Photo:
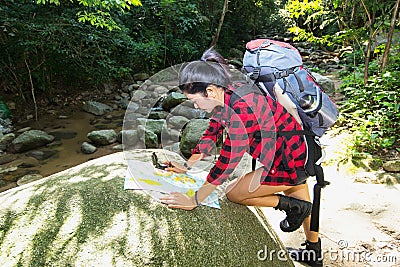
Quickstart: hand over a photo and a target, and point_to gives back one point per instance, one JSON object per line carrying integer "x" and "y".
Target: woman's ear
{"x": 211, "y": 91}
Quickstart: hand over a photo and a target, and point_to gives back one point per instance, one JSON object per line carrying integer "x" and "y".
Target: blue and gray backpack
{"x": 277, "y": 69}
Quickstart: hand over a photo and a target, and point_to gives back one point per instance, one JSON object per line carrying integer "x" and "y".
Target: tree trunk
{"x": 221, "y": 22}
{"x": 390, "y": 34}
{"x": 366, "y": 61}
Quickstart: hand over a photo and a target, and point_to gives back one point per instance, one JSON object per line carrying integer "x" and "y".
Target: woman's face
{"x": 202, "y": 102}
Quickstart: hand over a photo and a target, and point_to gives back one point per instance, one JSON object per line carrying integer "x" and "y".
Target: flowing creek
{"x": 70, "y": 131}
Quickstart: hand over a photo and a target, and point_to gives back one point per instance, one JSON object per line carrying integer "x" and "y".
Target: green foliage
{"x": 373, "y": 110}
{"x": 48, "y": 44}
{"x": 312, "y": 21}
{"x": 99, "y": 16}
{"x": 52, "y": 46}
{"x": 248, "y": 20}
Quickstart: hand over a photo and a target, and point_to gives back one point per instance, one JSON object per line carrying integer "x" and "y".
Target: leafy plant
{"x": 373, "y": 111}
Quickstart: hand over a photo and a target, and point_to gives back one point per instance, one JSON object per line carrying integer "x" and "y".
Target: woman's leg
{"x": 302, "y": 192}
{"x": 238, "y": 191}
{"x": 296, "y": 208}
{"x": 312, "y": 254}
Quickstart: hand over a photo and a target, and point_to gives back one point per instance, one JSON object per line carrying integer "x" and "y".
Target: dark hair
{"x": 196, "y": 76}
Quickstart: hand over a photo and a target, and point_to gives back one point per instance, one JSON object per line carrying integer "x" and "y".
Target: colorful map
{"x": 156, "y": 182}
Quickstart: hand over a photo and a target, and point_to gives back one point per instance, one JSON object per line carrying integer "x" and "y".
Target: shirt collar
{"x": 221, "y": 113}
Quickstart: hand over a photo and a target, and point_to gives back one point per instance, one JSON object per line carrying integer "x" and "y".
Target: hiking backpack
{"x": 277, "y": 70}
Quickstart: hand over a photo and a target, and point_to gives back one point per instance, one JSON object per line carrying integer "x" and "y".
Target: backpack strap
{"x": 314, "y": 168}
{"x": 272, "y": 77}
{"x": 315, "y": 150}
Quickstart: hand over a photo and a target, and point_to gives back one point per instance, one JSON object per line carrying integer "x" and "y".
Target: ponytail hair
{"x": 212, "y": 68}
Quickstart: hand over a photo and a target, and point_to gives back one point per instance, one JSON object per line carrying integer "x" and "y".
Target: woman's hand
{"x": 173, "y": 167}
{"x": 177, "y": 200}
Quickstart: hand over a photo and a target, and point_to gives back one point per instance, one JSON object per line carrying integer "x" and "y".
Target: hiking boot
{"x": 311, "y": 255}
{"x": 296, "y": 211}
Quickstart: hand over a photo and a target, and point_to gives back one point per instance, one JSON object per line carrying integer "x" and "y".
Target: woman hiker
{"x": 251, "y": 121}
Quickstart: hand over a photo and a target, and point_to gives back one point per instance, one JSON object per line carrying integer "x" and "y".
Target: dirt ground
{"x": 359, "y": 222}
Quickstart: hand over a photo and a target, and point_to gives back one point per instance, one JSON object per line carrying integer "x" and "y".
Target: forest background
{"x": 59, "y": 47}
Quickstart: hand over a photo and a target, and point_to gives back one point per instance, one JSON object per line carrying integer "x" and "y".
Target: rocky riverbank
{"x": 147, "y": 112}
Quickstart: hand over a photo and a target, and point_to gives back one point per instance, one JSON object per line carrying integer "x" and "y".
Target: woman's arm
{"x": 182, "y": 169}
{"x": 177, "y": 200}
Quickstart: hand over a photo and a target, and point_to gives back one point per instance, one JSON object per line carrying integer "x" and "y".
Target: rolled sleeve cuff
{"x": 215, "y": 181}
{"x": 204, "y": 147}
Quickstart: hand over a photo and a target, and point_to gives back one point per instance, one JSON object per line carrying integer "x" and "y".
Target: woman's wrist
{"x": 196, "y": 200}
{"x": 187, "y": 166}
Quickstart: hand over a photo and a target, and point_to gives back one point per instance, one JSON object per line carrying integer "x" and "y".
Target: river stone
{"x": 87, "y": 148}
{"x": 7, "y": 158}
{"x": 83, "y": 217}
{"x": 172, "y": 100}
{"x": 6, "y": 140}
{"x": 102, "y": 137}
{"x": 159, "y": 114}
{"x": 327, "y": 84}
{"x": 29, "y": 178}
{"x": 128, "y": 137}
{"x": 191, "y": 135}
{"x": 31, "y": 139}
{"x": 147, "y": 138}
{"x": 28, "y": 162}
{"x": 5, "y": 126}
{"x": 123, "y": 103}
{"x": 138, "y": 95}
{"x": 171, "y": 136}
{"x": 96, "y": 108}
{"x": 142, "y": 76}
{"x": 188, "y": 112}
{"x": 392, "y": 166}
{"x": 177, "y": 122}
{"x": 160, "y": 90}
{"x": 155, "y": 126}
{"x": 41, "y": 154}
{"x": 63, "y": 134}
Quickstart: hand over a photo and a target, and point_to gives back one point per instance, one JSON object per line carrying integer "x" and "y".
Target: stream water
{"x": 70, "y": 131}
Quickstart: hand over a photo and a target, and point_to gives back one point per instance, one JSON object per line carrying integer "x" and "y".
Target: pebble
{"x": 24, "y": 129}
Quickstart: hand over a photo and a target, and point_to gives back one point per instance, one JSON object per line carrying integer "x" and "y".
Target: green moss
{"x": 5, "y": 224}
{"x": 231, "y": 236}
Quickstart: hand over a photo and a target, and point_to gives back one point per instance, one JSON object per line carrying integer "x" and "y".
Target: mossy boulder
{"x": 84, "y": 217}
{"x": 191, "y": 135}
{"x": 31, "y": 139}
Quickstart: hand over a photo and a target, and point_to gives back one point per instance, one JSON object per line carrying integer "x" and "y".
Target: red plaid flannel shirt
{"x": 249, "y": 116}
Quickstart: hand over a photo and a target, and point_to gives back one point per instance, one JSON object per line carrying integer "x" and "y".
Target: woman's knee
{"x": 233, "y": 196}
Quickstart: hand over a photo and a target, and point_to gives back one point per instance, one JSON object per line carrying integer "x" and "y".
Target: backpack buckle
{"x": 255, "y": 74}
{"x": 283, "y": 73}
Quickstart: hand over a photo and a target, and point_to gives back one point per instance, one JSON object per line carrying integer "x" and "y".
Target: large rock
{"x": 84, "y": 217}
{"x": 102, "y": 137}
{"x": 138, "y": 95}
{"x": 173, "y": 99}
{"x": 392, "y": 166}
{"x": 147, "y": 138}
{"x": 31, "y": 139}
{"x": 96, "y": 108}
{"x": 188, "y": 112}
{"x": 155, "y": 126}
{"x": 128, "y": 137}
{"x": 177, "y": 122}
{"x": 191, "y": 135}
